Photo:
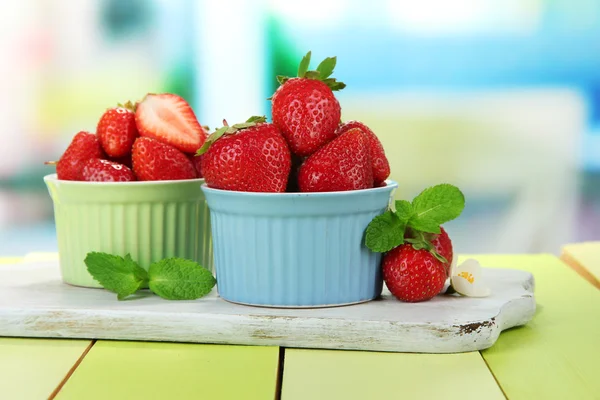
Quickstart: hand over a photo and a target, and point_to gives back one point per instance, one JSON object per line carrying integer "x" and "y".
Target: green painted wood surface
{"x": 138, "y": 370}
{"x": 556, "y": 355}
{"x": 329, "y": 374}
{"x": 33, "y": 368}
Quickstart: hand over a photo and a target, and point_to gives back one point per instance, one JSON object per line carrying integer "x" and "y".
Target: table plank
{"x": 585, "y": 259}
{"x": 556, "y": 355}
{"x": 332, "y": 374}
{"x": 138, "y": 370}
{"x": 33, "y": 368}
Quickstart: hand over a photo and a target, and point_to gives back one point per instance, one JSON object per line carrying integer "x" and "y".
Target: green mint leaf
{"x": 435, "y": 206}
{"x": 211, "y": 139}
{"x": 425, "y": 225}
{"x": 404, "y": 210}
{"x": 304, "y": 65}
{"x": 385, "y": 232}
{"x": 179, "y": 279}
{"x": 120, "y": 275}
{"x": 326, "y": 67}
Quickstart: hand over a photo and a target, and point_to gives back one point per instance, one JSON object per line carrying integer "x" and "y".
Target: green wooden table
{"x": 553, "y": 357}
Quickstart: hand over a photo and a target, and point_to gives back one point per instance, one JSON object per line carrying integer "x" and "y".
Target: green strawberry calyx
{"x": 322, "y": 73}
{"x": 230, "y": 130}
{"x": 128, "y": 106}
{"x": 417, "y": 222}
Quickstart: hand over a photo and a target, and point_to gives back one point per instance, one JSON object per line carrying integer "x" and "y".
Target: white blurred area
{"x": 515, "y": 150}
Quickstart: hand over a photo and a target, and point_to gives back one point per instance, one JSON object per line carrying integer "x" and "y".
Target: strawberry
{"x": 305, "y": 109}
{"x": 170, "y": 119}
{"x": 443, "y": 246}
{"x": 439, "y": 244}
{"x": 381, "y": 167}
{"x": 248, "y": 157}
{"x": 342, "y": 164}
{"x": 197, "y": 161}
{"x": 83, "y": 147}
{"x": 98, "y": 170}
{"x": 117, "y": 130}
{"x": 157, "y": 161}
{"x": 125, "y": 160}
{"x": 413, "y": 275}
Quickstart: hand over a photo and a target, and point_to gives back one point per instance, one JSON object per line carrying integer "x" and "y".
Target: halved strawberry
{"x": 170, "y": 119}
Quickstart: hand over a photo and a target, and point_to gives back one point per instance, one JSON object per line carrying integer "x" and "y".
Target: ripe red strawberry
{"x": 125, "y": 160}
{"x": 98, "y": 170}
{"x": 440, "y": 243}
{"x": 249, "y": 157}
{"x": 305, "y": 109}
{"x": 197, "y": 162}
{"x": 443, "y": 246}
{"x": 342, "y": 164}
{"x": 156, "y": 161}
{"x": 381, "y": 166}
{"x": 170, "y": 119}
{"x": 413, "y": 275}
{"x": 117, "y": 130}
{"x": 83, "y": 147}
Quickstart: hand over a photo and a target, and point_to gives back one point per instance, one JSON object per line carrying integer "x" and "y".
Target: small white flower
{"x": 466, "y": 278}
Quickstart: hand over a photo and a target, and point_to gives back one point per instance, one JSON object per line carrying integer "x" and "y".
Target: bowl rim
{"x": 54, "y": 178}
{"x": 390, "y": 184}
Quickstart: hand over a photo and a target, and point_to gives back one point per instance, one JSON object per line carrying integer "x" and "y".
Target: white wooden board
{"x": 35, "y": 303}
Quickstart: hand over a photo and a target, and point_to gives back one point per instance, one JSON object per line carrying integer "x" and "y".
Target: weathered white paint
{"x": 35, "y": 303}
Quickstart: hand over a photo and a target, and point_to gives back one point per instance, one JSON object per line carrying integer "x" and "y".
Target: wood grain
{"x": 35, "y": 303}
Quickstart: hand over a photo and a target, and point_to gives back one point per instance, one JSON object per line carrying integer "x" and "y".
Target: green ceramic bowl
{"x": 149, "y": 220}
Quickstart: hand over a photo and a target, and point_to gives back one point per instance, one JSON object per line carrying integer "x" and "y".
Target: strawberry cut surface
{"x": 170, "y": 119}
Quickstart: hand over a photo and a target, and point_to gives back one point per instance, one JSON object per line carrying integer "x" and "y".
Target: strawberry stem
{"x": 322, "y": 73}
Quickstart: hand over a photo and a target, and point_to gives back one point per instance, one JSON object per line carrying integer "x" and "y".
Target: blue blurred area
{"x": 418, "y": 71}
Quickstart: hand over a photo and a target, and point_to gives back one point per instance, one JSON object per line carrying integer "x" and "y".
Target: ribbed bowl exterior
{"x": 149, "y": 220}
{"x": 296, "y": 249}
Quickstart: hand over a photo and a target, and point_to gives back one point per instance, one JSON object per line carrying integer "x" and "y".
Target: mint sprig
{"x": 171, "y": 278}
{"x": 423, "y": 216}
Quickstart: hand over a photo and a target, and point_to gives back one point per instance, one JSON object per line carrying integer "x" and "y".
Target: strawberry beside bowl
{"x": 150, "y": 220}
{"x": 296, "y": 249}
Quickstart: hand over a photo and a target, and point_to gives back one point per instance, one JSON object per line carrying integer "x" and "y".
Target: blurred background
{"x": 500, "y": 97}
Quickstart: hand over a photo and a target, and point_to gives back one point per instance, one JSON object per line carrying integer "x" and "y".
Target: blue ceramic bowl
{"x": 296, "y": 249}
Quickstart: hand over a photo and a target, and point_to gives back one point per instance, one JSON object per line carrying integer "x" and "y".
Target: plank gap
{"x": 580, "y": 269}
{"x": 494, "y": 376}
{"x": 280, "y": 366}
{"x": 72, "y": 370}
